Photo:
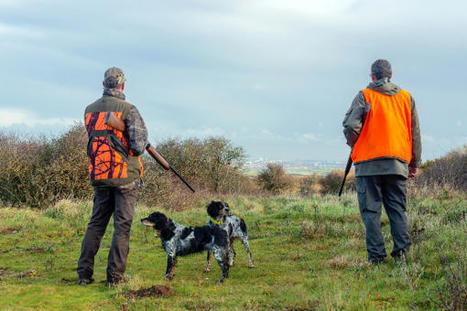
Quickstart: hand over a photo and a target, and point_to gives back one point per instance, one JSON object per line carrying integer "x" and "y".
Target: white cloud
{"x": 205, "y": 132}
{"x": 15, "y": 32}
{"x": 306, "y": 7}
{"x": 309, "y": 137}
{"x": 12, "y": 116}
{"x": 9, "y": 117}
{"x": 9, "y": 3}
{"x": 25, "y": 3}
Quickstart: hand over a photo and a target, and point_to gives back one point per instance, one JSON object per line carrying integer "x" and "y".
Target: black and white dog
{"x": 234, "y": 226}
{"x": 179, "y": 240}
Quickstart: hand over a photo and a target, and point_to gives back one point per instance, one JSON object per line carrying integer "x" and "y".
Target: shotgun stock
{"x": 347, "y": 170}
{"x": 112, "y": 121}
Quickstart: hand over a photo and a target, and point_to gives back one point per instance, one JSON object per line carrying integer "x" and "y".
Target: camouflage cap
{"x": 113, "y": 77}
{"x": 381, "y": 68}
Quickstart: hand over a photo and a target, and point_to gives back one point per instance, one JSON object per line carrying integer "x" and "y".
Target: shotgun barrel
{"x": 347, "y": 170}
{"x": 114, "y": 122}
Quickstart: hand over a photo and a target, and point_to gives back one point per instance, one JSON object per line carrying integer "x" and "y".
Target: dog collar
{"x": 217, "y": 222}
{"x": 166, "y": 224}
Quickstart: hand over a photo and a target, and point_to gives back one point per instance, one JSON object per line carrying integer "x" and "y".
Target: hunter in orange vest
{"x": 383, "y": 130}
{"x": 386, "y": 130}
{"x": 115, "y": 171}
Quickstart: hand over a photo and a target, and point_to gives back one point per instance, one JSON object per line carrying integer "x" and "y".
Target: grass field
{"x": 309, "y": 254}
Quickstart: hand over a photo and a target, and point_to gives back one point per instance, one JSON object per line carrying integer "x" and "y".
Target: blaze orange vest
{"x": 111, "y": 161}
{"x": 387, "y": 128}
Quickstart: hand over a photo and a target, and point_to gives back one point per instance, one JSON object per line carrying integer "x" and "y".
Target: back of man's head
{"x": 114, "y": 78}
{"x": 381, "y": 68}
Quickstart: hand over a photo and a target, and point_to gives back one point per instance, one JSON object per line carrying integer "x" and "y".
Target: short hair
{"x": 381, "y": 68}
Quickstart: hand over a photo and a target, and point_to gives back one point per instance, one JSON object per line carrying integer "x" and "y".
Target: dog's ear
{"x": 159, "y": 219}
{"x": 212, "y": 209}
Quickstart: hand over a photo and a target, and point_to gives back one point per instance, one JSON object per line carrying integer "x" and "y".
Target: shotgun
{"x": 112, "y": 121}
{"x": 347, "y": 170}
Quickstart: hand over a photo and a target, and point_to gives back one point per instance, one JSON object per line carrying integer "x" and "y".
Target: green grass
{"x": 309, "y": 254}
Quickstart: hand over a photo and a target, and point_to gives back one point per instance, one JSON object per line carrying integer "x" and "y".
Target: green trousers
{"x": 119, "y": 202}
{"x": 390, "y": 191}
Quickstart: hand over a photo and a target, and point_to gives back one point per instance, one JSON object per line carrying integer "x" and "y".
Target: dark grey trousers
{"x": 119, "y": 201}
{"x": 391, "y": 191}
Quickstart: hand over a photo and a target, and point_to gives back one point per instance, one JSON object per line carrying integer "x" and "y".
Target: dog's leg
{"x": 208, "y": 264}
{"x": 221, "y": 257}
{"x": 231, "y": 252}
{"x": 244, "y": 239}
{"x": 171, "y": 261}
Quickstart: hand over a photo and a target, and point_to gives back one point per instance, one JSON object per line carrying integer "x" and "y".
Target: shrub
{"x": 212, "y": 165}
{"x": 331, "y": 183}
{"x": 39, "y": 171}
{"x": 274, "y": 179}
{"x": 450, "y": 171}
{"x": 310, "y": 185}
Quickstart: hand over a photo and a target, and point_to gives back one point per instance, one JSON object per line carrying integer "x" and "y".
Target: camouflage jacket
{"x": 134, "y": 123}
{"x": 353, "y": 123}
{"x": 113, "y": 155}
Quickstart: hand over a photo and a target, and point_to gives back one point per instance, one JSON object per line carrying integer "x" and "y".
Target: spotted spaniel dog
{"x": 234, "y": 226}
{"x": 179, "y": 240}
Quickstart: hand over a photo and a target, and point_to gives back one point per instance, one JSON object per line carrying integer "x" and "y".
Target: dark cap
{"x": 381, "y": 69}
{"x": 114, "y": 77}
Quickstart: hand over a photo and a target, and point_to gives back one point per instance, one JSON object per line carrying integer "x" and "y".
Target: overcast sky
{"x": 274, "y": 76}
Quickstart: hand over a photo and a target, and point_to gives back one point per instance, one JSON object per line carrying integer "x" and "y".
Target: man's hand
{"x": 412, "y": 172}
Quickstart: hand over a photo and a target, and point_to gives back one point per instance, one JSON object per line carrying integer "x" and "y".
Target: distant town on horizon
{"x": 294, "y": 167}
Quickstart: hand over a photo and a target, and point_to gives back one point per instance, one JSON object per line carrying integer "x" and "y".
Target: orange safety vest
{"x": 386, "y": 131}
{"x": 108, "y": 151}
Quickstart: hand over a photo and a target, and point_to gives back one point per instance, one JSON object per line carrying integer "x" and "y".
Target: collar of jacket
{"x": 217, "y": 222}
{"x": 384, "y": 86}
{"x": 114, "y": 93}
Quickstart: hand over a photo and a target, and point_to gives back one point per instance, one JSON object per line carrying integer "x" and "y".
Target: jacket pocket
{"x": 363, "y": 202}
